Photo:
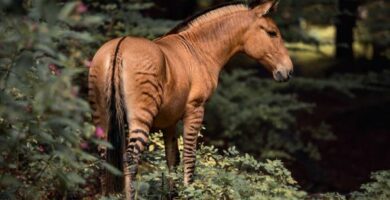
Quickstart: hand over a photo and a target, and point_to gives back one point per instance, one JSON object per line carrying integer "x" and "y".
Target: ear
{"x": 263, "y": 7}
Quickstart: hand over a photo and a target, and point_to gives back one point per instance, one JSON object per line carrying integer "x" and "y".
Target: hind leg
{"x": 142, "y": 93}
{"x": 171, "y": 147}
{"x": 99, "y": 118}
{"x": 137, "y": 142}
{"x": 172, "y": 155}
{"x": 140, "y": 120}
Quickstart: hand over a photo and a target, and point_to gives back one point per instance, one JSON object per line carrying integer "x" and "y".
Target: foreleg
{"x": 192, "y": 124}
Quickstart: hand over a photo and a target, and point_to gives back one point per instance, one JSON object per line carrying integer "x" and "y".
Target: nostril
{"x": 290, "y": 73}
{"x": 278, "y": 76}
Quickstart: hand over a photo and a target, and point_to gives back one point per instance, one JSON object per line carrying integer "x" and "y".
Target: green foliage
{"x": 47, "y": 143}
{"x": 128, "y": 20}
{"x": 293, "y": 15}
{"x": 229, "y": 175}
{"x": 378, "y": 189}
{"x": 233, "y": 175}
{"x": 44, "y": 134}
{"x": 327, "y": 196}
{"x": 373, "y": 28}
{"x": 259, "y": 116}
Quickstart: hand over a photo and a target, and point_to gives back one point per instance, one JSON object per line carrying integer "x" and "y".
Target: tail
{"x": 116, "y": 124}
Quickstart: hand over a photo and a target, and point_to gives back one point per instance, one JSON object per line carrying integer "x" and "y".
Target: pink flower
{"x": 84, "y": 145}
{"x": 41, "y": 149}
{"x": 81, "y": 8}
{"x": 87, "y": 63}
{"x": 54, "y": 69}
{"x": 99, "y": 133}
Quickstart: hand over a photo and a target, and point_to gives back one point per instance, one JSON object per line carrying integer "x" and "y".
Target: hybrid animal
{"x": 144, "y": 85}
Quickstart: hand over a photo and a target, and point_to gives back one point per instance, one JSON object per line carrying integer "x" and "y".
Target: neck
{"x": 214, "y": 43}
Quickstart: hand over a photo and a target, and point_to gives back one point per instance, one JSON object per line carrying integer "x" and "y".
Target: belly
{"x": 171, "y": 111}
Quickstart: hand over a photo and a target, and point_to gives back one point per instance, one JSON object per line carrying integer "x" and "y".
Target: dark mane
{"x": 254, "y": 3}
{"x": 187, "y": 21}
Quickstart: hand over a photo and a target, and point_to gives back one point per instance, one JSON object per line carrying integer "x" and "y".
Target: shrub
{"x": 47, "y": 141}
{"x": 259, "y": 116}
{"x": 229, "y": 175}
{"x": 233, "y": 175}
{"x": 43, "y": 121}
{"x": 379, "y": 188}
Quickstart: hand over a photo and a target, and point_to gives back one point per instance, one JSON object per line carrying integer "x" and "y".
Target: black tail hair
{"x": 116, "y": 129}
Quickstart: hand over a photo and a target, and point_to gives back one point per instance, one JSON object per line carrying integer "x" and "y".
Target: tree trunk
{"x": 346, "y": 21}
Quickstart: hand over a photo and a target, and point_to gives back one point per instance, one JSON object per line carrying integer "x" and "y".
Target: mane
{"x": 208, "y": 15}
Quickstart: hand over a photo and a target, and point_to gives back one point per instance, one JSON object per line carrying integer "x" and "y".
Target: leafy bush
{"x": 47, "y": 141}
{"x": 229, "y": 175}
{"x": 259, "y": 116}
{"x": 127, "y": 19}
{"x": 378, "y": 189}
{"x": 43, "y": 121}
{"x": 232, "y": 175}
{"x": 373, "y": 27}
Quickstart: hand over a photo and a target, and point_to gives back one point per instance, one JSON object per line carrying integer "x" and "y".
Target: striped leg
{"x": 141, "y": 120}
{"x": 136, "y": 144}
{"x": 99, "y": 113}
{"x": 172, "y": 155}
{"x": 143, "y": 97}
{"x": 192, "y": 125}
{"x": 171, "y": 147}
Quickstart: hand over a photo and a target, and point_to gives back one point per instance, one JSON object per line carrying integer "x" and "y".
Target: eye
{"x": 272, "y": 34}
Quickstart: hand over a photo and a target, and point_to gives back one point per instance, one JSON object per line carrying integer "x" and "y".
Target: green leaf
{"x": 75, "y": 178}
{"x": 112, "y": 169}
{"x": 66, "y": 11}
